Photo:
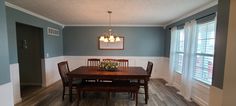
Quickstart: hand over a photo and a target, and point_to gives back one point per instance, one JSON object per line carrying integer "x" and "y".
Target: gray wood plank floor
{"x": 159, "y": 95}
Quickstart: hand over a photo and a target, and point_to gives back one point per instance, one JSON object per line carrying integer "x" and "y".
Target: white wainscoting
{"x": 159, "y": 69}
{"x": 51, "y": 73}
{"x": 6, "y": 95}
{"x": 200, "y": 91}
{"x": 15, "y": 79}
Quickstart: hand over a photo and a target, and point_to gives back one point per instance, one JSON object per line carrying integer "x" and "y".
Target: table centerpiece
{"x": 108, "y": 65}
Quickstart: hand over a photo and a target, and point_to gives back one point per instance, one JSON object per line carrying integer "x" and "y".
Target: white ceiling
{"x": 125, "y": 12}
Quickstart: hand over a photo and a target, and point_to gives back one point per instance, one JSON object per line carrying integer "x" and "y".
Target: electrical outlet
{"x": 47, "y": 54}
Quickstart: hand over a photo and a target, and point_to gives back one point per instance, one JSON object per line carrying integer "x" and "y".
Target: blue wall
{"x": 139, "y": 41}
{"x": 4, "y": 56}
{"x": 52, "y": 45}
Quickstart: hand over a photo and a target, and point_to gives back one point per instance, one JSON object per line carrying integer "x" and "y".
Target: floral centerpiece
{"x": 108, "y": 65}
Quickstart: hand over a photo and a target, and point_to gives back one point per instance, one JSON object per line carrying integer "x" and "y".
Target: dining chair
{"x": 149, "y": 72}
{"x": 93, "y": 62}
{"x": 123, "y": 62}
{"x": 63, "y": 69}
{"x": 149, "y": 69}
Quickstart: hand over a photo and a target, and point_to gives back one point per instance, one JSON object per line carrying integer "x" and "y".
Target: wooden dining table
{"x": 122, "y": 73}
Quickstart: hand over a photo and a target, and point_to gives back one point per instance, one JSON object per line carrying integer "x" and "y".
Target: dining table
{"x": 121, "y": 73}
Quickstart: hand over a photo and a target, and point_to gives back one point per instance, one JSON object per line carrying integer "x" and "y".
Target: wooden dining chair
{"x": 63, "y": 69}
{"x": 123, "y": 62}
{"x": 142, "y": 83}
{"x": 93, "y": 62}
{"x": 149, "y": 69}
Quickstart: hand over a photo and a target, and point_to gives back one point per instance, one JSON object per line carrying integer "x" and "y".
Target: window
{"x": 179, "y": 51}
{"x": 205, "y": 52}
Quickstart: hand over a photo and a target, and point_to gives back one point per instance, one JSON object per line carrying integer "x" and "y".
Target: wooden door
{"x": 30, "y": 53}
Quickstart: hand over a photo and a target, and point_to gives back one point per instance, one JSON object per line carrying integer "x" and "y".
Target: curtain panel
{"x": 190, "y": 40}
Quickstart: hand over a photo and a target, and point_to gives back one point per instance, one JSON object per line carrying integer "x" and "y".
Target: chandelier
{"x": 109, "y": 36}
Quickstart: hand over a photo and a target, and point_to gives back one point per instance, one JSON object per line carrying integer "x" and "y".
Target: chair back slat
{"x": 149, "y": 68}
{"x": 108, "y": 59}
{"x": 93, "y": 62}
{"x": 63, "y": 69}
{"x": 123, "y": 62}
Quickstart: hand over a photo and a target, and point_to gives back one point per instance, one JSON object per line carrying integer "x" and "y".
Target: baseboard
{"x": 199, "y": 101}
{"x": 176, "y": 85}
{"x": 17, "y": 100}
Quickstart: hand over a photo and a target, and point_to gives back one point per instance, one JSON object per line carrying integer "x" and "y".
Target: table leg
{"x": 146, "y": 91}
{"x": 136, "y": 97}
{"x": 70, "y": 89}
{"x": 108, "y": 98}
{"x": 78, "y": 97}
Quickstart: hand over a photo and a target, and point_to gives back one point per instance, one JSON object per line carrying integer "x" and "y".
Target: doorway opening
{"x": 30, "y": 54}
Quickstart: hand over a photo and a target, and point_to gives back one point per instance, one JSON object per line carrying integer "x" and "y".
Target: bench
{"x": 108, "y": 87}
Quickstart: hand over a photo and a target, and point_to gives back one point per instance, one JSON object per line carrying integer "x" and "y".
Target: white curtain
{"x": 189, "y": 57}
{"x": 172, "y": 55}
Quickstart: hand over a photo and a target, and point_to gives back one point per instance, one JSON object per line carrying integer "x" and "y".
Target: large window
{"x": 179, "y": 51}
{"x": 205, "y": 51}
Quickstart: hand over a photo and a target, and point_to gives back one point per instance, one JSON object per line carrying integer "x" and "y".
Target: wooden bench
{"x": 108, "y": 87}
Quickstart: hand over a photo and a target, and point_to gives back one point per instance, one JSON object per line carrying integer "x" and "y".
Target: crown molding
{"x": 32, "y": 13}
{"x": 193, "y": 12}
{"x": 118, "y": 25}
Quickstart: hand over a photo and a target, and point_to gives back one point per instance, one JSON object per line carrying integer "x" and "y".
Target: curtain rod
{"x": 205, "y": 16}
{"x": 198, "y": 18}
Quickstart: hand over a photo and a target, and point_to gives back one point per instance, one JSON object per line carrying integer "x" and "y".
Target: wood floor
{"x": 28, "y": 90}
{"x": 159, "y": 95}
